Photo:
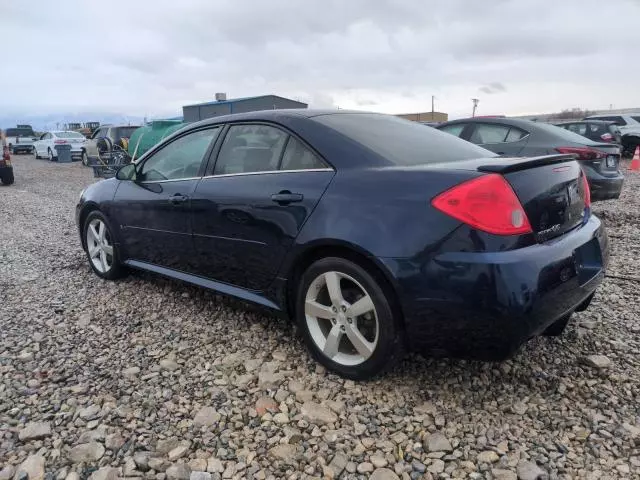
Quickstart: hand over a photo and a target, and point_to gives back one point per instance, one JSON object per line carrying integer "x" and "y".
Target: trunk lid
{"x": 550, "y": 188}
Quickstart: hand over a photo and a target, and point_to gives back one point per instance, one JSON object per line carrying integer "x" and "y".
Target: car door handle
{"x": 177, "y": 199}
{"x": 285, "y": 197}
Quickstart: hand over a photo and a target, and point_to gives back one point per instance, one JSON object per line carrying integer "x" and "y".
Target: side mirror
{"x": 127, "y": 172}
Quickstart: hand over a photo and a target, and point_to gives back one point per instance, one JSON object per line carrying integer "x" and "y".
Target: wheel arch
{"x": 87, "y": 208}
{"x": 304, "y": 258}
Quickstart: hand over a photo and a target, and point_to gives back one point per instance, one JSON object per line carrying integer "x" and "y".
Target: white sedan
{"x": 45, "y": 146}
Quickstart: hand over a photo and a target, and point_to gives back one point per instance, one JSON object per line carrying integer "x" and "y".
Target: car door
{"x": 39, "y": 145}
{"x": 152, "y": 212}
{"x": 499, "y": 138}
{"x": 250, "y": 207}
{"x": 91, "y": 146}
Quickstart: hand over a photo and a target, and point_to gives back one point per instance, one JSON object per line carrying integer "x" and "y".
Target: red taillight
{"x": 5, "y": 153}
{"x": 487, "y": 203}
{"x": 587, "y": 191}
{"x": 582, "y": 153}
{"x": 59, "y": 142}
{"x": 606, "y": 137}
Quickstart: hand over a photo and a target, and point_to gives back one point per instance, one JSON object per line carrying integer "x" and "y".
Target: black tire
{"x": 117, "y": 270}
{"x": 35, "y": 154}
{"x": 7, "y": 178}
{"x": 51, "y": 156}
{"x": 85, "y": 158}
{"x": 389, "y": 347}
{"x": 558, "y": 327}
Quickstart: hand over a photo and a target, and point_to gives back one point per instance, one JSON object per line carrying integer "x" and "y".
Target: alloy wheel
{"x": 99, "y": 245}
{"x": 341, "y": 318}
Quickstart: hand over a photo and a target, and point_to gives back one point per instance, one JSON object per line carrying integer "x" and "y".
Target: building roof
{"x": 236, "y": 100}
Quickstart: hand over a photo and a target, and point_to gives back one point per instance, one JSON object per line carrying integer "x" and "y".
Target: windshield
{"x": 69, "y": 135}
{"x": 402, "y": 142}
{"x": 19, "y": 132}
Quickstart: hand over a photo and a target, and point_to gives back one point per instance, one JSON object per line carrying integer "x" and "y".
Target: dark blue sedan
{"x": 374, "y": 234}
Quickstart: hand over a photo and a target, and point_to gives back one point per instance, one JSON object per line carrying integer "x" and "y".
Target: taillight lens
{"x": 582, "y": 153}
{"x": 606, "y": 137}
{"x": 59, "y": 142}
{"x": 5, "y": 153}
{"x": 587, "y": 190}
{"x": 487, "y": 203}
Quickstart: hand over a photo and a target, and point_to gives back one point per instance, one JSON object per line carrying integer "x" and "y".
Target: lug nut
{"x": 344, "y": 309}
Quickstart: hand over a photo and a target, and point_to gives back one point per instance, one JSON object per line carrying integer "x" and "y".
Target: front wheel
{"x": 346, "y": 319}
{"x": 85, "y": 158}
{"x": 35, "y": 153}
{"x": 101, "y": 248}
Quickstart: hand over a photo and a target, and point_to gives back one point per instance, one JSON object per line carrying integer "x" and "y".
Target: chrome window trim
{"x": 268, "y": 172}
{"x": 170, "y": 180}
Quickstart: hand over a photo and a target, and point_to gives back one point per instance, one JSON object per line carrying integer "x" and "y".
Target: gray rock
{"x": 7, "y": 472}
{"x": 501, "y": 474}
{"x": 378, "y": 461}
{"x": 131, "y": 372}
{"x": 105, "y": 473}
{"x": 90, "y": 413}
{"x": 285, "y": 452}
{"x": 169, "y": 364}
{"x": 206, "y": 417}
{"x": 597, "y": 361}
{"x": 200, "y": 476}
{"x": 114, "y": 442}
{"x": 166, "y": 445}
{"x": 178, "y": 471}
{"x": 270, "y": 380}
{"x": 214, "y": 465}
{"x": 32, "y": 467}
{"x": 437, "y": 442}
{"x": 34, "y": 431}
{"x": 158, "y": 464}
{"x": 364, "y": 467}
{"x": 488, "y": 456}
{"x": 317, "y": 414}
{"x": 141, "y": 460}
{"x": 338, "y": 464}
{"x": 530, "y": 471}
{"x": 383, "y": 474}
{"x": 436, "y": 466}
{"x": 84, "y": 320}
{"x": 72, "y": 476}
{"x": 86, "y": 452}
{"x": 178, "y": 452}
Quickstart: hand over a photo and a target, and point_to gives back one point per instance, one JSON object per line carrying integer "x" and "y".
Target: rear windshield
{"x": 402, "y": 142}
{"x": 69, "y": 135}
{"x": 19, "y": 132}
{"x": 636, "y": 117}
{"x": 562, "y": 133}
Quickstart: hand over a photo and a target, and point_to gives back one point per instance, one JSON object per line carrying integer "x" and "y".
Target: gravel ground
{"x": 152, "y": 378}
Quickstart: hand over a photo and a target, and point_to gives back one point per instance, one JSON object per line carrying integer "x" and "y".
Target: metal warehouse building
{"x": 222, "y": 106}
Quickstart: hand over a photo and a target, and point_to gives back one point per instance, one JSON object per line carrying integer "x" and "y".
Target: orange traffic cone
{"x": 635, "y": 162}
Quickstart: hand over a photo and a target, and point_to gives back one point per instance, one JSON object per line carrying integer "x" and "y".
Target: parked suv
{"x": 629, "y": 125}
{"x": 105, "y": 139}
{"x": 596, "y": 130}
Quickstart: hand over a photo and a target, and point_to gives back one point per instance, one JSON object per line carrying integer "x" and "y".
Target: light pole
{"x": 475, "y": 106}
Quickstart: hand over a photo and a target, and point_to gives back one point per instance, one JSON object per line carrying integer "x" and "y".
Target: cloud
{"x": 388, "y": 55}
{"x": 493, "y": 87}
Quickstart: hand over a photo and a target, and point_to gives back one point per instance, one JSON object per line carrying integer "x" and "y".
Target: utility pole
{"x": 433, "y": 97}
{"x": 475, "y": 106}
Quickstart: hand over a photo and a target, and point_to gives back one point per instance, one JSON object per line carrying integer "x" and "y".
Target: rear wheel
{"x": 102, "y": 250}
{"x": 50, "y": 155}
{"x": 35, "y": 153}
{"x": 85, "y": 158}
{"x": 558, "y": 327}
{"x": 346, "y": 319}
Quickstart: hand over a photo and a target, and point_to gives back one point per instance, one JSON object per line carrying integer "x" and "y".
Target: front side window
{"x": 489, "y": 133}
{"x": 298, "y": 157}
{"x": 249, "y": 149}
{"x": 181, "y": 158}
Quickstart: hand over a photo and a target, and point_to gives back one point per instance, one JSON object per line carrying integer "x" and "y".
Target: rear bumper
{"x": 604, "y": 187}
{"x": 22, "y": 148}
{"x": 486, "y": 305}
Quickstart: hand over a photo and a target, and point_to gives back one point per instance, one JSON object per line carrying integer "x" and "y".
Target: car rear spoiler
{"x": 514, "y": 164}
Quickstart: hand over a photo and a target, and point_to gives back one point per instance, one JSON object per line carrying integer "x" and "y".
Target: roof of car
{"x": 591, "y": 121}
{"x": 278, "y": 114}
{"x": 517, "y": 122}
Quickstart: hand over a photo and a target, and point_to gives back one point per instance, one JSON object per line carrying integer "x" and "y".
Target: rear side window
{"x": 579, "y": 128}
{"x": 515, "y": 134}
{"x": 614, "y": 118}
{"x": 402, "y": 142}
{"x": 489, "y": 133}
{"x": 561, "y": 133}
{"x": 250, "y": 148}
{"x": 636, "y": 118}
{"x": 455, "y": 129}
{"x": 298, "y": 157}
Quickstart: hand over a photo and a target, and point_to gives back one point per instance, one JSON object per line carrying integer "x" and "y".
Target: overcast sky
{"x": 150, "y": 57}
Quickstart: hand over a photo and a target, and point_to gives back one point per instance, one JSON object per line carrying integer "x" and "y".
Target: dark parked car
{"x": 596, "y": 130}
{"x": 373, "y": 233}
{"x": 517, "y": 137}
